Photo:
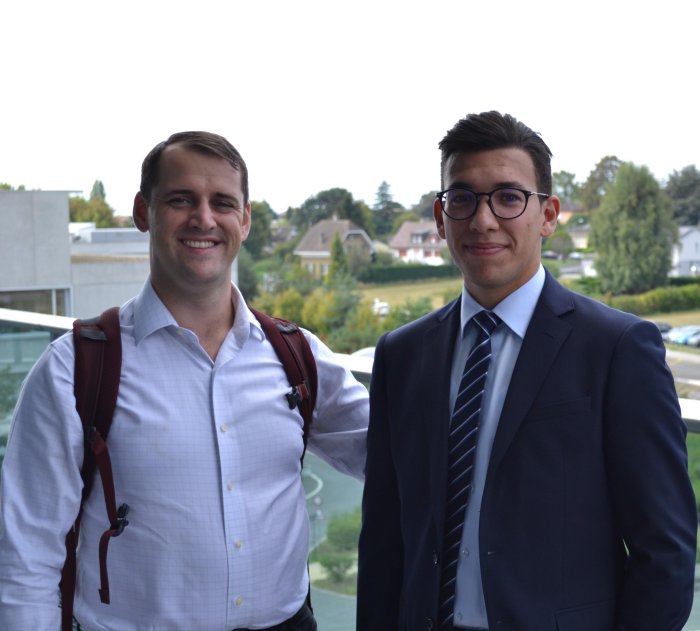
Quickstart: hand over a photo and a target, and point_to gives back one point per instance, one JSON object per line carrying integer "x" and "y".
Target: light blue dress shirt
{"x": 515, "y": 311}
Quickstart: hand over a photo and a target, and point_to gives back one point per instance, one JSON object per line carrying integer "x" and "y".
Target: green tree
{"x": 247, "y": 279}
{"x": 260, "y": 235}
{"x": 9, "y": 187}
{"x": 385, "y": 210}
{"x": 98, "y": 191}
{"x": 334, "y": 202}
{"x": 424, "y": 208}
{"x": 598, "y": 179}
{"x": 565, "y": 186}
{"x": 633, "y": 233}
{"x": 560, "y": 242}
{"x": 338, "y": 264}
{"x": 683, "y": 187}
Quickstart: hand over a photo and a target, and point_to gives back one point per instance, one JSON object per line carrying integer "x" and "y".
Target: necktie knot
{"x": 487, "y": 322}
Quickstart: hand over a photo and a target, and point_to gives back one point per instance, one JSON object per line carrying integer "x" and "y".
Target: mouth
{"x": 198, "y": 244}
{"x": 484, "y": 249}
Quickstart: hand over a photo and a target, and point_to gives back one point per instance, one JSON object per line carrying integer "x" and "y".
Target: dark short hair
{"x": 493, "y": 130}
{"x": 200, "y": 141}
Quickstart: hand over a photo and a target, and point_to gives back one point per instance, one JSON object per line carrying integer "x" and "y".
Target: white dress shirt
{"x": 206, "y": 454}
{"x": 515, "y": 311}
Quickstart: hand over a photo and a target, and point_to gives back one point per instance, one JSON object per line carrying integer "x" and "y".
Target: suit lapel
{"x": 438, "y": 350}
{"x": 542, "y": 342}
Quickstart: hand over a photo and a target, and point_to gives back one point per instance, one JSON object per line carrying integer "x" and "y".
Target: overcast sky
{"x": 322, "y": 94}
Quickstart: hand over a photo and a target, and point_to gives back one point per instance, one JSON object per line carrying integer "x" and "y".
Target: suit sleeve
{"x": 380, "y": 566}
{"x": 652, "y": 496}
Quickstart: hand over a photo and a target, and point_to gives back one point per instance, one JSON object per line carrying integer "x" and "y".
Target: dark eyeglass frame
{"x": 528, "y": 194}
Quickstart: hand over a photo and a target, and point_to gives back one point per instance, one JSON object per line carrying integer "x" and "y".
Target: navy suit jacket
{"x": 588, "y": 520}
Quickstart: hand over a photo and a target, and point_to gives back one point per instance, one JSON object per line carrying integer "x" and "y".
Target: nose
{"x": 202, "y": 216}
{"x": 483, "y": 218}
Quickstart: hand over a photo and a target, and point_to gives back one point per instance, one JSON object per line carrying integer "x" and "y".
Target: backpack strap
{"x": 98, "y": 356}
{"x": 296, "y": 356}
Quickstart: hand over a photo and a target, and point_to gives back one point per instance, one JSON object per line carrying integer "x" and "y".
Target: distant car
{"x": 550, "y": 254}
{"x": 693, "y": 340}
{"x": 680, "y": 334}
{"x": 664, "y": 328}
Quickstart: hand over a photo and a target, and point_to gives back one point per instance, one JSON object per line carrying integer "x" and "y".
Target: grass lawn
{"x": 398, "y": 293}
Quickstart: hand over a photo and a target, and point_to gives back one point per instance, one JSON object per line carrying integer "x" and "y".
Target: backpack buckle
{"x": 122, "y": 522}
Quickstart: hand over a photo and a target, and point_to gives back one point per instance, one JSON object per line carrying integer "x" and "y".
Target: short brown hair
{"x": 201, "y": 141}
{"x": 493, "y": 130}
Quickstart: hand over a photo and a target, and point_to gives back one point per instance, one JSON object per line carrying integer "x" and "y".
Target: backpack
{"x": 98, "y": 358}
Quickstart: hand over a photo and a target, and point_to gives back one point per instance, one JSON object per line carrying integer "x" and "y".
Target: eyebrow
{"x": 503, "y": 184}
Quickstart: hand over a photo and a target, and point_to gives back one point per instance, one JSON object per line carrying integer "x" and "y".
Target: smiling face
{"x": 495, "y": 256}
{"x": 197, "y": 219}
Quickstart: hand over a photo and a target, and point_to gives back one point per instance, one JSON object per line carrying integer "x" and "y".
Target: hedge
{"x": 405, "y": 272}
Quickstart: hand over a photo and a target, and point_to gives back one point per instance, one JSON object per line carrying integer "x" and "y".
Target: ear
{"x": 439, "y": 218}
{"x": 245, "y": 222}
{"x": 140, "y": 212}
{"x": 550, "y": 213}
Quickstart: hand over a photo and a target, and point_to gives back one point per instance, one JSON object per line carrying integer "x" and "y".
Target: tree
{"x": 334, "y": 202}
{"x": 565, "y": 187}
{"x": 260, "y": 235}
{"x": 95, "y": 210}
{"x": 247, "y": 280}
{"x": 98, "y": 191}
{"x": 560, "y": 242}
{"x": 683, "y": 187}
{"x": 9, "y": 187}
{"x": 424, "y": 208}
{"x": 338, "y": 264}
{"x": 633, "y": 233}
{"x": 385, "y": 210}
{"x": 598, "y": 179}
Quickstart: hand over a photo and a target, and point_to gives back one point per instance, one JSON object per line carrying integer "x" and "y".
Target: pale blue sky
{"x": 317, "y": 94}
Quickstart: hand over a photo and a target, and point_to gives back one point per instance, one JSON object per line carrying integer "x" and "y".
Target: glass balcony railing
{"x": 25, "y": 335}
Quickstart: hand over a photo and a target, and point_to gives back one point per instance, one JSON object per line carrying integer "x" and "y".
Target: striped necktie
{"x": 464, "y": 426}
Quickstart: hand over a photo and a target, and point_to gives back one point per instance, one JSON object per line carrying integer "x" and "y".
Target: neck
{"x": 209, "y": 316}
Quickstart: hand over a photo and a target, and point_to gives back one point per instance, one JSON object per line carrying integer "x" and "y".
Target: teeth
{"x": 199, "y": 244}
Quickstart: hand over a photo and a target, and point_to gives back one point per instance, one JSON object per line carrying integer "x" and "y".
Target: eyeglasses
{"x": 505, "y": 202}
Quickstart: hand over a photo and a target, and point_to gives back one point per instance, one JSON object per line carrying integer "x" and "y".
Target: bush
{"x": 405, "y": 272}
{"x": 337, "y": 564}
{"x": 344, "y": 531}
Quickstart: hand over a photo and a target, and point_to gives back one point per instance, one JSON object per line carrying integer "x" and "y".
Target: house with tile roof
{"x": 418, "y": 242}
{"x": 314, "y": 249}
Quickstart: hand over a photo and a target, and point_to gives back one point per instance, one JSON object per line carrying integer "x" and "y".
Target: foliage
{"x": 565, "y": 187}
{"x": 98, "y": 190}
{"x": 95, "y": 210}
{"x": 407, "y": 312}
{"x": 560, "y": 242}
{"x": 424, "y": 208}
{"x": 338, "y": 264}
{"x": 385, "y": 210}
{"x": 9, "y": 390}
{"x": 361, "y": 328}
{"x": 633, "y": 233}
{"x": 247, "y": 278}
{"x": 599, "y": 178}
{"x": 658, "y": 300}
{"x": 683, "y": 187}
{"x": 344, "y": 530}
{"x": 334, "y": 202}
{"x": 337, "y": 564}
{"x": 8, "y": 187}
{"x": 260, "y": 236}
{"x": 398, "y": 272}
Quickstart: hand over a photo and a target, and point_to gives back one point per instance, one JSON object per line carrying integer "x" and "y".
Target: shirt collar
{"x": 150, "y": 315}
{"x": 515, "y": 310}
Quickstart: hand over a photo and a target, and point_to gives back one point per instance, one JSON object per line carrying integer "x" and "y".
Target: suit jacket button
{"x": 428, "y": 623}
{"x": 436, "y": 558}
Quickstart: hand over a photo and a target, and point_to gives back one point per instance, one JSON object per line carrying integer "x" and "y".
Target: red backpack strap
{"x": 98, "y": 356}
{"x": 299, "y": 363}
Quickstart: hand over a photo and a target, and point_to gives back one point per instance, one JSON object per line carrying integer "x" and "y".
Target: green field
{"x": 398, "y": 293}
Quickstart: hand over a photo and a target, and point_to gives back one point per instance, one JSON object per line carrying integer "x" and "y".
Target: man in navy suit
{"x": 580, "y": 514}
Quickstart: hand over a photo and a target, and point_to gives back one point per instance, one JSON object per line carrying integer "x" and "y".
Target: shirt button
{"x": 465, "y": 552}
{"x": 238, "y": 543}
{"x": 459, "y": 617}
{"x": 230, "y": 485}
{"x": 223, "y": 427}
{"x": 238, "y": 602}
